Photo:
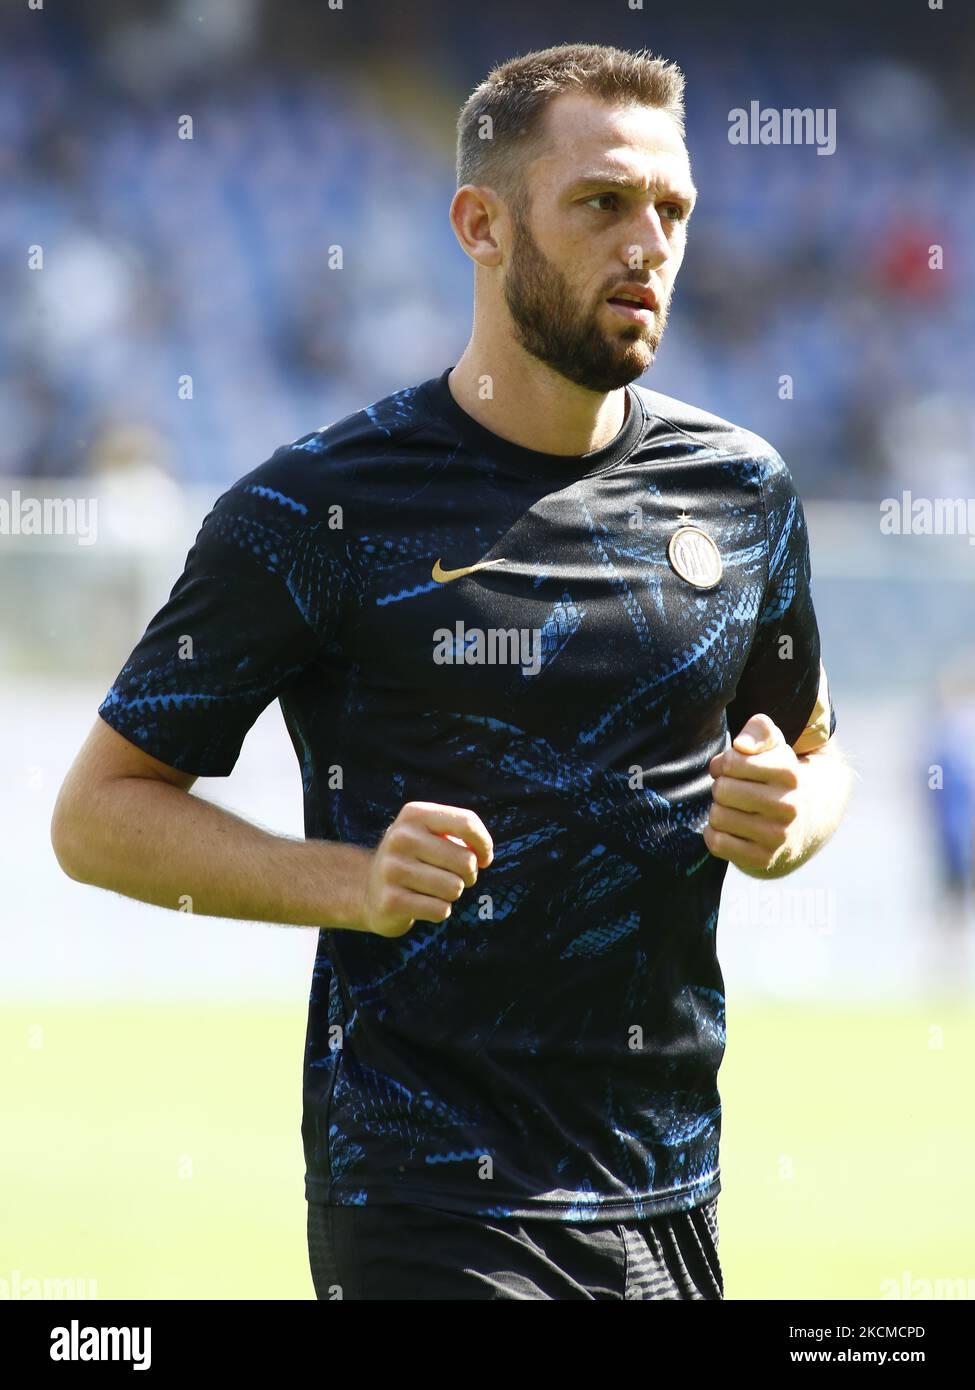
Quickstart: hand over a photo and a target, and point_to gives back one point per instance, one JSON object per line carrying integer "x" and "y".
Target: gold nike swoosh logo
{"x": 443, "y": 576}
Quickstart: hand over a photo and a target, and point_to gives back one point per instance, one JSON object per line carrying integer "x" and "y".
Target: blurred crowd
{"x": 190, "y": 289}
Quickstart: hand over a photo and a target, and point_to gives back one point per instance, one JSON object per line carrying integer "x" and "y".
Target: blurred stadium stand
{"x": 209, "y": 256}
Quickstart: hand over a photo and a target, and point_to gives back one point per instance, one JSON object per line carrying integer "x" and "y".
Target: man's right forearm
{"x": 153, "y": 841}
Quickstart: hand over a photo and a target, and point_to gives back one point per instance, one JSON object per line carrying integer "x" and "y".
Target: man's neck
{"x": 522, "y": 400}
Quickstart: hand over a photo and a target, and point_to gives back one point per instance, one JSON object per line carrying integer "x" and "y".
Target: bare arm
{"x": 127, "y": 822}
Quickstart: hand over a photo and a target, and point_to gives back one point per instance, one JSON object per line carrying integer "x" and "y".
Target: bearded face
{"x": 583, "y": 341}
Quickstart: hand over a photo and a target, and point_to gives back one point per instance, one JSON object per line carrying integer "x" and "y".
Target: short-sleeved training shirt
{"x": 561, "y": 645}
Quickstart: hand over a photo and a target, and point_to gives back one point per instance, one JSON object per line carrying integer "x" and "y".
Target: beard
{"x": 549, "y": 325}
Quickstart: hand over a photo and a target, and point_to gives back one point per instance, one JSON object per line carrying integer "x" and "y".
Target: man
{"x": 511, "y": 615}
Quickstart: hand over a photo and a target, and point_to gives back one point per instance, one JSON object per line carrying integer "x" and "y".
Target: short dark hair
{"x": 499, "y": 129}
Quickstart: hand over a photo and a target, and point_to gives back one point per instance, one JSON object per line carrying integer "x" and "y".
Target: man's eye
{"x": 600, "y": 197}
{"x": 674, "y": 211}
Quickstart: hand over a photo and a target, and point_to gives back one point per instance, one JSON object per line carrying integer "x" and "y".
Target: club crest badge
{"x": 695, "y": 557}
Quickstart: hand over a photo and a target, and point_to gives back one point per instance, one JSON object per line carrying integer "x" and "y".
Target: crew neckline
{"x": 534, "y": 462}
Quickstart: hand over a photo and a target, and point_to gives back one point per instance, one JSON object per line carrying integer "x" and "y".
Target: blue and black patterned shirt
{"x": 552, "y": 1048}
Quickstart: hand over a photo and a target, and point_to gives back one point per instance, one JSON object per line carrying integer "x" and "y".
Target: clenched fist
{"x": 755, "y": 821}
{"x": 423, "y": 863}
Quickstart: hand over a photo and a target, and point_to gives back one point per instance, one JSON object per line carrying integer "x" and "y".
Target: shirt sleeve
{"x": 254, "y": 607}
{"x": 784, "y": 674}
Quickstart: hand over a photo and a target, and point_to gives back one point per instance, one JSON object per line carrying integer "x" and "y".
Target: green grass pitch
{"x": 156, "y": 1150}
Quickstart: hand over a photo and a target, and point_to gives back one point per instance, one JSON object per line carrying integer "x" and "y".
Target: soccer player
{"x": 512, "y": 615}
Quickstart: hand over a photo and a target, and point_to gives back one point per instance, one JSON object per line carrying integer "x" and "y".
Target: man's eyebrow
{"x": 615, "y": 178}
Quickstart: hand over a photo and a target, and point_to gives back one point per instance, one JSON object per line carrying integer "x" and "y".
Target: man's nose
{"x": 650, "y": 240}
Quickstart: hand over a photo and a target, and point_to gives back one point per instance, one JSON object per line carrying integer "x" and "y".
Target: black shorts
{"x": 393, "y": 1252}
